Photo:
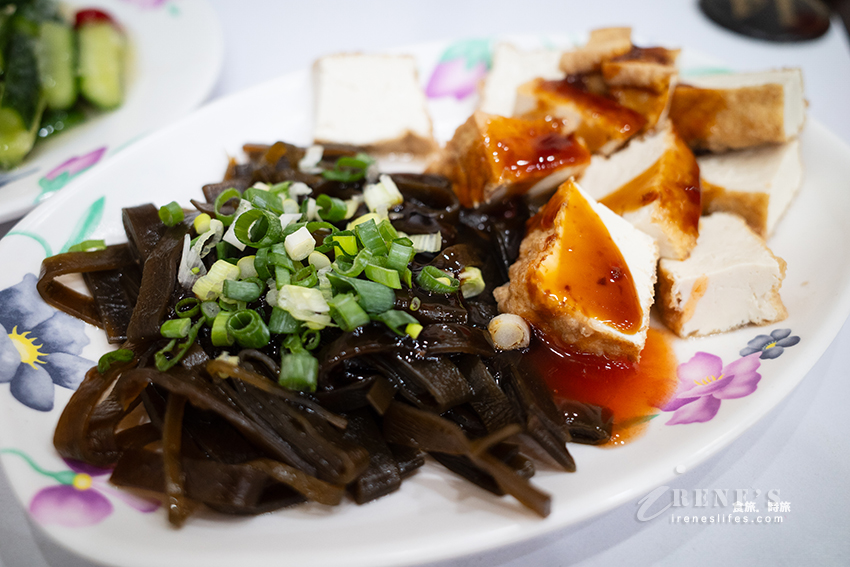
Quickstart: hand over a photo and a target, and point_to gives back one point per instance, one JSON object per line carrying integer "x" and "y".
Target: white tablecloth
{"x": 801, "y": 448}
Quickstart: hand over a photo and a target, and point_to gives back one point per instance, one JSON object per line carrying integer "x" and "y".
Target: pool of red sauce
{"x": 633, "y": 393}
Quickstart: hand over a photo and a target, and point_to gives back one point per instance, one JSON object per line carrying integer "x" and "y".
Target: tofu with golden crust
{"x": 737, "y": 111}
{"x": 491, "y": 156}
{"x": 654, "y": 183}
{"x": 602, "y": 123}
{"x": 603, "y": 44}
{"x": 643, "y": 80}
{"x": 585, "y": 276}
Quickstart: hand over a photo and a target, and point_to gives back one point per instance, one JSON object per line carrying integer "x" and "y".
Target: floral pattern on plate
{"x": 461, "y": 67}
{"x": 80, "y": 497}
{"x": 39, "y": 346}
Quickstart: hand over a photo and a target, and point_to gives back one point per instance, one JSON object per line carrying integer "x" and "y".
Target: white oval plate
{"x": 176, "y": 52}
{"x": 435, "y": 515}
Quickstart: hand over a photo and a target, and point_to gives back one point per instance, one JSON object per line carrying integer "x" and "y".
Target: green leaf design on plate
{"x": 86, "y": 225}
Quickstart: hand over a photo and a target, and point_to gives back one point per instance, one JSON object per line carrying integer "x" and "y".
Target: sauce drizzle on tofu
{"x": 590, "y": 273}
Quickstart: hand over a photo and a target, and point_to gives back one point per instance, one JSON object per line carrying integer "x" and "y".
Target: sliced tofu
{"x": 371, "y": 101}
{"x": 492, "y": 156}
{"x": 731, "y": 279}
{"x": 603, "y": 44}
{"x": 643, "y": 80}
{"x": 584, "y": 276}
{"x": 654, "y": 184}
{"x": 602, "y": 123}
{"x": 757, "y": 184}
{"x": 510, "y": 68}
{"x": 737, "y": 111}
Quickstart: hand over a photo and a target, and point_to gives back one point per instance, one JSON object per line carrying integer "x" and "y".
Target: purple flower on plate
{"x": 461, "y": 68}
{"x": 704, "y": 382}
{"x": 60, "y": 175}
{"x": 39, "y": 346}
{"x": 80, "y": 498}
{"x": 772, "y": 345}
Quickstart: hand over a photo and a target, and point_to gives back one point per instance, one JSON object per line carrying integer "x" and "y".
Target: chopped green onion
{"x": 241, "y": 290}
{"x": 305, "y": 277}
{"x": 383, "y": 276}
{"x": 382, "y": 195}
{"x": 279, "y": 257}
{"x": 426, "y": 242}
{"x": 221, "y": 200}
{"x": 280, "y": 188}
{"x": 347, "y": 313}
{"x": 247, "y": 269}
{"x": 282, "y": 322}
{"x": 311, "y": 338}
{"x": 161, "y": 359}
{"x": 257, "y": 228}
{"x": 345, "y": 242}
{"x": 175, "y": 328}
{"x": 218, "y": 334}
{"x": 305, "y": 304}
{"x": 88, "y": 246}
{"x": 354, "y": 269}
{"x": 395, "y": 320}
{"x": 415, "y": 303}
{"x": 248, "y": 328}
{"x": 370, "y": 238}
{"x": 110, "y": 358}
{"x": 363, "y": 218}
{"x": 399, "y": 256}
{"x": 318, "y": 260}
{"x": 299, "y": 244}
{"x": 171, "y": 214}
{"x": 471, "y": 281}
{"x": 331, "y": 209}
{"x": 413, "y": 329}
{"x": 210, "y": 286}
{"x": 202, "y": 223}
{"x": 436, "y": 280}
{"x": 188, "y": 307}
{"x": 373, "y": 297}
{"x": 388, "y": 231}
{"x": 262, "y": 199}
{"x": 290, "y": 207}
{"x": 224, "y": 250}
{"x": 282, "y": 277}
{"x": 209, "y": 309}
{"x": 299, "y": 371}
{"x": 261, "y": 263}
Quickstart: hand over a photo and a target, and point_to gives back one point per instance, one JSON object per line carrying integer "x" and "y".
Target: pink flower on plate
{"x": 704, "y": 382}
{"x": 80, "y": 497}
{"x": 60, "y": 175}
{"x": 460, "y": 69}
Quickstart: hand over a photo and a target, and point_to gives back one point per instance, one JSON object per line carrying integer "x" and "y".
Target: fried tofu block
{"x": 491, "y": 156}
{"x": 731, "y": 279}
{"x": 602, "y": 123}
{"x": 757, "y": 184}
{"x": 654, "y": 183}
{"x": 585, "y": 276}
{"x": 643, "y": 80}
{"x": 603, "y": 44}
{"x": 510, "y": 68}
{"x": 371, "y": 101}
{"x": 737, "y": 111}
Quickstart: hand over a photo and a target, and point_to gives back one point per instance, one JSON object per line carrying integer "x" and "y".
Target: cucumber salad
{"x": 57, "y": 69}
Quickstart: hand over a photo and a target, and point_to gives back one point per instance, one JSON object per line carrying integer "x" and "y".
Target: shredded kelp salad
{"x": 311, "y": 329}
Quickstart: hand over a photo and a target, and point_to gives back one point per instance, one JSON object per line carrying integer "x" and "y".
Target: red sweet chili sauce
{"x": 633, "y": 393}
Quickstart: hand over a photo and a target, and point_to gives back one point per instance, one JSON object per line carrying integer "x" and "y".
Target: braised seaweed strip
{"x": 312, "y": 329}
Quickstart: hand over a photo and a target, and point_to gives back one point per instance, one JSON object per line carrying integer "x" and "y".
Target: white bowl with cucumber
{"x": 81, "y": 80}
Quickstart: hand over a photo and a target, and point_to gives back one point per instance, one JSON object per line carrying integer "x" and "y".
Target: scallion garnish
{"x": 110, "y": 358}
{"x": 373, "y": 297}
{"x": 161, "y": 357}
{"x": 369, "y": 236}
{"x": 258, "y": 228}
{"x": 299, "y": 371}
{"x": 219, "y": 335}
{"x": 88, "y": 246}
{"x": 331, "y": 209}
{"x": 396, "y": 320}
{"x": 347, "y": 313}
{"x": 436, "y": 280}
{"x": 238, "y": 290}
{"x": 171, "y": 214}
{"x": 221, "y": 200}
{"x": 248, "y": 328}
{"x": 175, "y": 328}
{"x": 282, "y": 323}
{"x": 188, "y": 307}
